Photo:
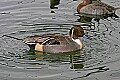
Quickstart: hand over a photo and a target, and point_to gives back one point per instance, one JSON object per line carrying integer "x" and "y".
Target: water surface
{"x": 98, "y": 60}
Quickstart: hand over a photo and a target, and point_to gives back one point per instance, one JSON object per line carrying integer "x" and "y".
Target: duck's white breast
{"x": 78, "y": 41}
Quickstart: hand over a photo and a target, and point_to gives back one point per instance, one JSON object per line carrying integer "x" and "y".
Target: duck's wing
{"x": 98, "y": 8}
{"x": 107, "y": 6}
{"x": 31, "y": 39}
{"x": 93, "y": 9}
{"x": 37, "y": 39}
{"x": 66, "y": 45}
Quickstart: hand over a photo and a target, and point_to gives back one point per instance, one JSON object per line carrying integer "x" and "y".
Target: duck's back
{"x": 94, "y": 10}
{"x": 66, "y": 45}
{"x": 97, "y": 8}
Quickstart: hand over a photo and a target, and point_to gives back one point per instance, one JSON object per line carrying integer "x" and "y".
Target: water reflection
{"x": 85, "y": 19}
{"x": 73, "y": 58}
{"x": 89, "y": 17}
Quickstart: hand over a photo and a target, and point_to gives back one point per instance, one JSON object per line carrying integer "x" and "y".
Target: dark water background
{"x": 99, "y": 59}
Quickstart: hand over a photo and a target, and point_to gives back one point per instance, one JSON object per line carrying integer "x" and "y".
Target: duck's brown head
{"x": 84, "y": 3}
{"x": 87, "y": 1}
{"x": 76, "y": 31}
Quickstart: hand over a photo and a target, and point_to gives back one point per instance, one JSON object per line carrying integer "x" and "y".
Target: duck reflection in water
{"x": 56, "y": 43}
{"x": 73, "y": 58}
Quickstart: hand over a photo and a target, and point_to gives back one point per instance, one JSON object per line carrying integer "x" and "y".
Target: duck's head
{"x": 75, "y": 32}
{"x": 84, "y": 3}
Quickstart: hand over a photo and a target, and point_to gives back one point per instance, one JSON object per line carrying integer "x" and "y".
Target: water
{"x": 98, "y": 60}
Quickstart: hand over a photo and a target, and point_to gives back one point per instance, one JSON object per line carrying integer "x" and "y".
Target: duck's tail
{"x": 12, "y": 37}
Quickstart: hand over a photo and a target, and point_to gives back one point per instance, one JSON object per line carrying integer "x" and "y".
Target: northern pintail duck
{"x": 95, "y": 7}
{"x": 56, "y": 43}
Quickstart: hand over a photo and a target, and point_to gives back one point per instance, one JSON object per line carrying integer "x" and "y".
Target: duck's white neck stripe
{"x": 72, "y": 33}
{"x": 78, "y": 42}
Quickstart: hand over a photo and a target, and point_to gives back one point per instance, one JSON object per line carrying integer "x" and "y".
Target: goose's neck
{"x": 78, "y": 42}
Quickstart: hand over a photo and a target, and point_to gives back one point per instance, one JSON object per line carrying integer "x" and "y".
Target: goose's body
{"x": 54, "y": 43}
{"x": 95, "y": 8}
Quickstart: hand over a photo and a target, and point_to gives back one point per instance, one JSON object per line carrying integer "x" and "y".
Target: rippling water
{"x": 99, "y": 59}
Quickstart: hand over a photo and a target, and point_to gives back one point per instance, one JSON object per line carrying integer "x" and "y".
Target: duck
{"x": 57, "y": 43}
{"x": 53, "y": 3}
{"x": 95, "y": 7}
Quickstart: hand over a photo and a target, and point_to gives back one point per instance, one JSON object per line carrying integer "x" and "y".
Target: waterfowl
{"x": 56, "y": 43}
{"x": 95, "y": 7}
{"x": 53, "y": 3}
